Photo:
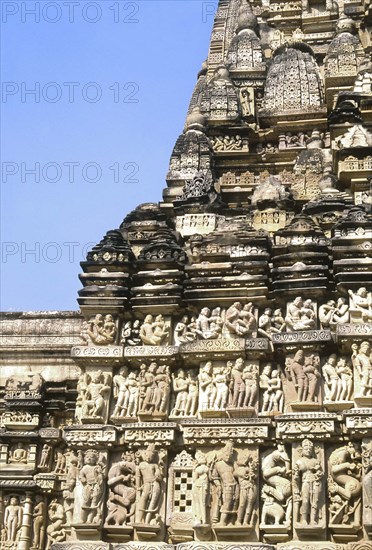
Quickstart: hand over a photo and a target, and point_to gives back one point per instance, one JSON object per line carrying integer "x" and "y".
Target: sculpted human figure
{"x": 130, "y": 334}
{"x": 344, "y": 467}
{"x": 273, "y": 397}
{"x": 45, "y": 456}
{"x": 361, "y": 360}
{"x": 246, "y": 474}
{"x": 91, "y": 478}
{"x": 162, "y": 380}
{"x": 38, "y": 523}
{"x": 331, "y": 378}
{"x": 149, "y": 477}
{"x": 225, "y": 494}
{"x": 101, "y": 331}
{"x": 13, "y": 516}
{"x": 296, "y": 372}
{"x": 160, "y": 330}
{"x": 200, "y": 489}
{"x": 345, "y": 374}
{"x": 60, "y": 463}
{"x": 237, "y": 384}
{"x": 300, "y": 315}
{"x": 148, "y": 388}
{"x": 209, "y": 325}
{"x": 311, "y": 370}
{"x": 180, "y": 386}
{"x": 308, "y": 477}
{"x": 192, "y": 397}
{"x": 251, "y": 386}
{"x": 277, "y": 490}
{"x": 207, "y": 389}
{"x": 68, "y": 487}
{"x": 94, "y": 396}
{"x": 121, "y": 392}
{"x": 266, "y": 324}
{"x": 147, "y": 332}
{"x": 361, "y": 302}
{"x": 18, "y": 455}
{"x": 183, "y": 333}
{"x": 122, "y": 491}
{"x": 55, "y": 530}
{"x": 220, "y": 379}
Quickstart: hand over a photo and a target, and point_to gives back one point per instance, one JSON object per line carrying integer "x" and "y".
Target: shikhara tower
{"x": 215, "y": 392}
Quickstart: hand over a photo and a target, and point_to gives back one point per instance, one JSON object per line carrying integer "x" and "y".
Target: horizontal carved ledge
{"x": 302, "y": 337}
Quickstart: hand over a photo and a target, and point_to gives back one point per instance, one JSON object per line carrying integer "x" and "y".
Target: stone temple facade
{"x": 215, "y": 390}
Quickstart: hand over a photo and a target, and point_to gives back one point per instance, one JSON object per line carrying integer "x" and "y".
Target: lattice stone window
{"x": 179, "y": 508}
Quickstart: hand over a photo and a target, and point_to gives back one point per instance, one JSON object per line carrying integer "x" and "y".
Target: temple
{"x": 214, "y": 392}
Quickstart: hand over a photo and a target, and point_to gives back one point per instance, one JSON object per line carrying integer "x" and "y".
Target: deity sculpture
{"x": 126, "y": 393}
{"x": 200, "y": 489}
{"x": 224, "y": 487}
{"x": 207, "y": 389}
{"x": 251, "y": 387}
{"x": 308, "y": 479}
{"x": 345, "y": 386}
{"x": 331, "y": 378}
{"x": 122, "y": 491}
{"x": 13, "y": 518}
{"x": 344, "y": 485}
{"x": 237, "y": 384}
{"x": 55, "y": 530}
{"x": 246, "y": 473}
{"x": 38, "y": 524}
{"x": 18, "y": 454}
{"x": 184, "y": 331}
{"x": 272, "y": 397}
{"x": 154, "y": 332}
{"x": 360, "y": 305}
{"x": 92, "y": 480}
{"x": 101, "y": 331}
{"x": 362, "y": 363}
{"x": 300, "y": 315}
{"x": 149, "y": 481}
{"x": 277, "y": 491}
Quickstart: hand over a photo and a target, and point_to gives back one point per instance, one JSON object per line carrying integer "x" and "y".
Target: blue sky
{"x": 94, "y": 95}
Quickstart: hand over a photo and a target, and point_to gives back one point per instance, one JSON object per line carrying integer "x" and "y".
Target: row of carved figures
{"x": 155, "y": 391}
{"x": 238, "y": 320}
{"x": 231, "y": 487}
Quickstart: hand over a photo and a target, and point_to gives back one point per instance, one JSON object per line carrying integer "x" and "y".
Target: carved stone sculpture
{"x": 272, "y": 396}
{"x": 277, "y": 492}
{"x": 154, "y": 332}
{"x": 130, "y": 334}
{"x": 224, "y": 487}
{"x": 360, "y": 306}
{"x": 39, "y": 519}
{"x": 200, "y": 491}
{"x": 91, "y": 478}
{"x": 246, "y": 473}
{"x": 122, "y": 491}
{"x": 303, "y": 372}
{"x": 308, "y": 478}
{"x": 300, "y": 315}
{"x": 93, "y": 396}
{"x": 45, "y": 457}
{"x": 270, "y": 323}
{"x": 344, "y": 486}
{"x": 126, "y": 393}
{"x": 69, "y": 487}
{"x": 333, "y": 313}
{"x": 149, "y": 480}
{"x": 101, "y": 330}
{"x": 55, "y": 530}
{"x": 13, "y": 517}
{"x": 367, "y": 483}
{"x": 209, "y": 324}
{"x": 184, "y": 331}
{"x": 240, "y": 320}
{"x": 361, "y": 359}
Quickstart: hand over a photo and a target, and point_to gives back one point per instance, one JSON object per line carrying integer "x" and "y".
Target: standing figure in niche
{"x": 192, "y": 397}
{"x": 246, "y": 475}
{"x": 295, "y": 370}
{"x": 200, "y": 489}
{"x": 207, "y": 389}
{"x": 237, "y": 384}
{"x": 345, "y": 373}
{"x": 308, "y": 478}
{"x": 149, "y": 477}
{"x": 331, "y": 378}
{"x": 121, "y": 392}
{"x": 225, "y": 493}
{"x": 39, "y": 523}
{"x": 13, "y": 517}
{"x": 91, "y": 478}
{"x": 277, "y": 489}
{"x": 122, "y": 493}
{"x": 251, "y": 387}
{"x": 180, "y": 390}
{"x": 220, "y": 379}
{"x": 148, "y": 388}
{"x": 362, "y": 363}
